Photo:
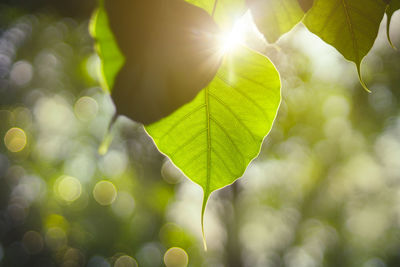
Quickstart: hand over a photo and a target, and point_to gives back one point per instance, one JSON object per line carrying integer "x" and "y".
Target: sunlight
{"x": 230, "y": 40}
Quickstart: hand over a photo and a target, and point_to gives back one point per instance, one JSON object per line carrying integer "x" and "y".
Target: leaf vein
{"x": 190, "y": 140}
{"x": 192, "y": 159}
{"x": 372, "y": 22}
{"x": 208, "y": 160}
{"x": 328, "y": 19}
{"x": 244, "y": 95}
{"x": 234, "y": 115}
{"x": 181, "y": 120}
{"x": 228, "y": 136}
{"x": 223, "y": 162}
{"x": 352, "y": 34}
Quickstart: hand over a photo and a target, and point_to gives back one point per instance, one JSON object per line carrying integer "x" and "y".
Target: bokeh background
{"x": 324, "y": 191}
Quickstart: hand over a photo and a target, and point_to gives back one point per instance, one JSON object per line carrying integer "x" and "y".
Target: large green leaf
{"x": 213, "y": 138}
{"x": 224, "y": 12}
{"x": 393, "y": 6}
{"x": 111, "y": 57}
{"x": 351, "y": 26}
{"x": 275, "y": 17}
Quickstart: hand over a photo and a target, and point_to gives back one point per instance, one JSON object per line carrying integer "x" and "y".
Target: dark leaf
{"x": 170, "y": 55}
{"x": 306, "y": 4}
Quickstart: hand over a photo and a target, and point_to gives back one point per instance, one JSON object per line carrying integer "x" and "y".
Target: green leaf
{"x": 224, "y": 12}
{"x": 213, "y": 138}
{"x": 351, "y": 26}
{"x": 111, "y": 57}
{"x": 392, "y": 7}
{"x": 275, "y": 17}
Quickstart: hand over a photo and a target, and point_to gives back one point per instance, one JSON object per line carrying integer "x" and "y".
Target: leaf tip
{"x": 364, "y": 86}
{"x": 361, "y": 80}
{"x": 388, "y": 34}
{"x": 105, "y": 144}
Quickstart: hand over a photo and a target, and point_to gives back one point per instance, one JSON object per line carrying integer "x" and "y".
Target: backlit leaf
{"x": 351, "y": 26}
{"x": 111, "y": 57}
{"x": 224, "y": 12}
{"x": 213, "y": 138}
{"x": 275, "y": 17}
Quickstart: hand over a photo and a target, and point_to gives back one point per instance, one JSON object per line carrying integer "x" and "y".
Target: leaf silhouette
{"x": 275, "y": 17}
{"x": 351, "y": 26}
{"x": 170, "y": 53}
{"x": 213, "y": 138}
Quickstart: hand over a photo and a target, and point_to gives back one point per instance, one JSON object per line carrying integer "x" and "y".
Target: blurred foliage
{"x": 324, "y": 191}
{"x": 71, "y": 8}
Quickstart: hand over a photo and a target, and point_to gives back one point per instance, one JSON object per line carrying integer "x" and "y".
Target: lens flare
{"x": 235, "y": 37}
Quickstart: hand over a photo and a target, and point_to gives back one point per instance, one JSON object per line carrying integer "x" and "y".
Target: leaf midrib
{"x": 352, "y": 34}
{"x": 208, "y": 119}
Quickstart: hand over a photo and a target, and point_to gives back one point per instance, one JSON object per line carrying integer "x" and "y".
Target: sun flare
{"x": 243, "y": 29}
{"x": 230, "y": 40}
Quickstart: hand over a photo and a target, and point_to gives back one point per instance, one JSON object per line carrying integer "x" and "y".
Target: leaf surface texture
{"x": 275, "y": 17}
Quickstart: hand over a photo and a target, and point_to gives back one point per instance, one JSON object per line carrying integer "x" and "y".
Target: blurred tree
{"x": 72, "y": 8}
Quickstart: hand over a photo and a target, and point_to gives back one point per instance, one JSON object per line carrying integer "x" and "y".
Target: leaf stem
{"x": 203, "y": 208}
{"x": 214, "y": 8}
{"x": 107, "y": 139}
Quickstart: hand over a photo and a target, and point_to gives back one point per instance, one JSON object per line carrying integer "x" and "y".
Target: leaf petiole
{"x": 215, "y": 7}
